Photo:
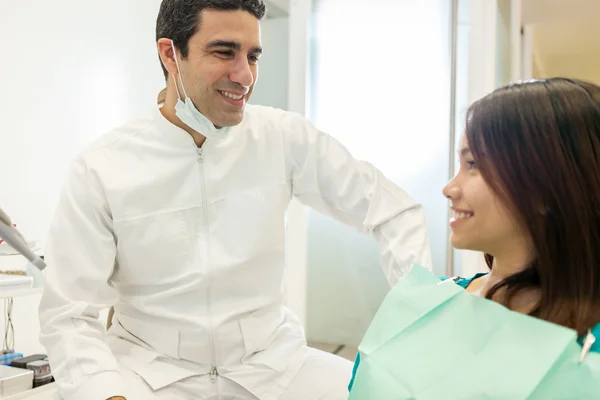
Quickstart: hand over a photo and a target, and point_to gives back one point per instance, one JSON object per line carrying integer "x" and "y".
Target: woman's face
{"x": 480, "y": 220}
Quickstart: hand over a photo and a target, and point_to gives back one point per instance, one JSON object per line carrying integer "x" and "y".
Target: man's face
{"x": 221, "y": 69}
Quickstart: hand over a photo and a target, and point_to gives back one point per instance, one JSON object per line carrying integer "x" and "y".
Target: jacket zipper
{"x": 213, "y": 370}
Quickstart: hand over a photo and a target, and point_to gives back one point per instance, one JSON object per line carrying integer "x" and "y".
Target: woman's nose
{"x": 451, "y": 191}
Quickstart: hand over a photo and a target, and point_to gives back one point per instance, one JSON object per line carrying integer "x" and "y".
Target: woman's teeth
{"x": 461, "y": 215}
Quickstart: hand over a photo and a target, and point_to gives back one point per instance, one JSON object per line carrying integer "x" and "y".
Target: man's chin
{"x": 230, "y": 121}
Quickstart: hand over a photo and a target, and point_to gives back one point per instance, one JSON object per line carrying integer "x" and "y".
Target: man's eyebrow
{"x": 231, "y": 45}
{"x": 224, "y": 43}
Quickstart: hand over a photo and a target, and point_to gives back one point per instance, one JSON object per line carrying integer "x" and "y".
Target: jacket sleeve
{"x": 80, "y": 257}
{"x": 327, "y": 178}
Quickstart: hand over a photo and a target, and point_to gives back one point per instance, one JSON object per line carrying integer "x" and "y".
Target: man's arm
{"x": 327, "y": 178}
{"x": 80, "y": 255}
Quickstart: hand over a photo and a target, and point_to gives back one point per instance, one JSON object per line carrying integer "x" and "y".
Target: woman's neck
{"x": 510, "y": 263}
{"x": 504, "y": 266}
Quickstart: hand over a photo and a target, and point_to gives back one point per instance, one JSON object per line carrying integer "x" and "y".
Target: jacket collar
{"x": 171, "y": 133}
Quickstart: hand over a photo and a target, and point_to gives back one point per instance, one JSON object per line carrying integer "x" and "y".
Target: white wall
{"x": 503, "y": 42}
{"x": 381, "y": 85}
{"x": 71, "y": 71}
{"x": 273, "y": 73}
{"x": 527, "y": 57}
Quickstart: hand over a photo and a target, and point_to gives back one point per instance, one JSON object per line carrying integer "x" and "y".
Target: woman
{"x": 527, "y": 194}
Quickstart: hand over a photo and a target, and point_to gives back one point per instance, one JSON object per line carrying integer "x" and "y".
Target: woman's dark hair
{"x": 537, "y": 145}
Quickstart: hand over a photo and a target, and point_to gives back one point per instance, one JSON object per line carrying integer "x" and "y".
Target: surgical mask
{"x": 189, "y": 114}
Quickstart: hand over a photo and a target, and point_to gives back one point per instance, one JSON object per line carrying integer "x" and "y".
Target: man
{"x": 178, "y": 220}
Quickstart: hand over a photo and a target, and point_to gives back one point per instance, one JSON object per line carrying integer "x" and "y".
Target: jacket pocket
{"x": 152, "y": 368}
{"x": 267, "y": 339}
{"x": 150, "y": 351}
{"x": 160, "y": 338}
{"x": 156, "y": 249}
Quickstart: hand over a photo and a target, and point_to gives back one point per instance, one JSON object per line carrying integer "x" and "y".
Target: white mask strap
{"x": 178, "y": 73}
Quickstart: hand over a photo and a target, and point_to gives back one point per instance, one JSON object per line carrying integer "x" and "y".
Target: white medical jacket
{"x": 188, "y": 244}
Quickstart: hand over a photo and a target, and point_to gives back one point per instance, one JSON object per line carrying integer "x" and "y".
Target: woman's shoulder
{"x": 465, "y": 282}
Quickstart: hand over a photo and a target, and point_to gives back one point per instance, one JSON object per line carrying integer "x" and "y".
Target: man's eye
{"x": 225, "y": 53}
{"x": 253, "y": 59}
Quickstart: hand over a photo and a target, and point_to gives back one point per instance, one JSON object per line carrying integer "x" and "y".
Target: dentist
{"x": 178, "y": 221}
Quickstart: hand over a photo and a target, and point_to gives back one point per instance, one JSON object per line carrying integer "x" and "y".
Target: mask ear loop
{"x": 178, "y": 73}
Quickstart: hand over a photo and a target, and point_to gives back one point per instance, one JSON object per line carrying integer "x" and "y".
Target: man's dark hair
{"x": 179, "y": 20}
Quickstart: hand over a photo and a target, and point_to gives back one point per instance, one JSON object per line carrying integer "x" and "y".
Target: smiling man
{"x": 178, "y": 221}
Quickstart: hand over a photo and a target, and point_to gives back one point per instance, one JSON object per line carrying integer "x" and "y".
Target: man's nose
{"x": 242, "y": 73}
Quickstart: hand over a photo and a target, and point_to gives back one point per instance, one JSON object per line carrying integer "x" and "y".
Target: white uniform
{"x": 188, "y": 244}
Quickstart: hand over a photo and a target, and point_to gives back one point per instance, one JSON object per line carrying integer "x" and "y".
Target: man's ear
{"x": 167, "y": 55}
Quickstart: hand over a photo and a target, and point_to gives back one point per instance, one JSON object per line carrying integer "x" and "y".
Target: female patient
{"x": 528, "y": 196}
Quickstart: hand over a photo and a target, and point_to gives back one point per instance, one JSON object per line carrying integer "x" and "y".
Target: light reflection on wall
{"x": 380, "y": 84}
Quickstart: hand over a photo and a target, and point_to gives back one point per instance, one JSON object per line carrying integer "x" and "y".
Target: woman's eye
{"x": 471, "y": 164}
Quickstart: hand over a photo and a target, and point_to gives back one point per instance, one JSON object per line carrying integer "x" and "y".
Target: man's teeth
{"x": 462, "y": 215}
{"x": 232, "y": 96}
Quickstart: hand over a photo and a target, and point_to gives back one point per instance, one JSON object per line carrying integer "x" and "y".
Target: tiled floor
{"x": 347, "y": 352}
